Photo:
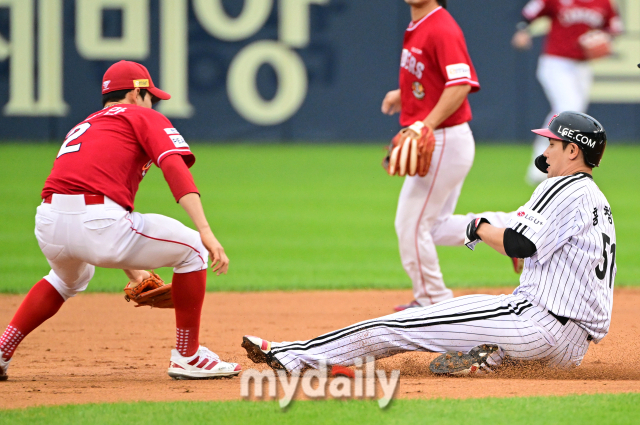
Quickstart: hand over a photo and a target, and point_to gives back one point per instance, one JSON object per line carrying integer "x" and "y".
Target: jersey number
{"x": 75, "y": 132}
{"x": 602, "y": 273}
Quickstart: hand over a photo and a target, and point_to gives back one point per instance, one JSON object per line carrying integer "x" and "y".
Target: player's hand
{"x": 391, "y": 104}
{"x": 472, "y": 229}
{"x": 219, "y": 260}
{"x": 521, "y": 40}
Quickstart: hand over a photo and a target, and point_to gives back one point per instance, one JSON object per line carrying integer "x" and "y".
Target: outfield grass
{"x": 600, "y": 409}
{"x": 309, "y": 216}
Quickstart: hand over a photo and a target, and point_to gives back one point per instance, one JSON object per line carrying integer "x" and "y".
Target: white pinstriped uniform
{"x": 564, "y": 299}
{"x": 573, "y": 271}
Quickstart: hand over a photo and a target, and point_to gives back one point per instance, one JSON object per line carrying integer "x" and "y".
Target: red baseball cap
{"x": 125, "y": 75}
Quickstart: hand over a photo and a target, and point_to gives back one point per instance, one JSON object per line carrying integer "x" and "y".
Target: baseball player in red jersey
{"x": 436, "y": 75}
{"x": 580, "y": 30}
{"x": 86, "y": 219}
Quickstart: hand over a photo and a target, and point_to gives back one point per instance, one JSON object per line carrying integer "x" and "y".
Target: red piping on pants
{"x": 433, "y": 182}
{"x": 166, "y": 240}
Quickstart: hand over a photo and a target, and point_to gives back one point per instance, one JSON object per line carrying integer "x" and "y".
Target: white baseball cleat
{"x": 204, "y": 364}
{"x": 4, "y": 366}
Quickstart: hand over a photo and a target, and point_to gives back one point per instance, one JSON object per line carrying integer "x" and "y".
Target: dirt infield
{"x": 99, "y": 348}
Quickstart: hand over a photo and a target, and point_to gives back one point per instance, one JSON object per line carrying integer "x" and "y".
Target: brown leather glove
{"x": 152, "y": 292}
{"x": 595, "y": 44}
{"x": 410, "y": 151}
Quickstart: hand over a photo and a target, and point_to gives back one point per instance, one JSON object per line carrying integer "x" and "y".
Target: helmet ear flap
{"x": 541, "y": 164}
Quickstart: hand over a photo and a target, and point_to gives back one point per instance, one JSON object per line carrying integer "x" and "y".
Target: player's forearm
{"x": 193, "y": 206}
{"x": 492, "y": 236}
{"x": 449, "y": 102}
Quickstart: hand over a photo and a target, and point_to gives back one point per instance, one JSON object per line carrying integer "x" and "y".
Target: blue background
{"x": 352, "y": 61}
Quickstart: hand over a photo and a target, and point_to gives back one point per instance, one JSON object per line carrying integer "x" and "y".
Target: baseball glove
{"x": 152, "y": 292}
{"x": 410, "y": 151}
{"x": 595, "y": 44}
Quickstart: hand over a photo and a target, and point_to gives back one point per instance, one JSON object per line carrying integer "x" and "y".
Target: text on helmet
{"x": 575, "y": 135}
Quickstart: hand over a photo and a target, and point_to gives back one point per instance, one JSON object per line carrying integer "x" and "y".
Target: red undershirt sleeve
{"x": 178, "y": 176}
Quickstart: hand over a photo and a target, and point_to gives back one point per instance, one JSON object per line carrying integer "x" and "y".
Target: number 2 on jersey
{"x": 75, "y": 132}
{"x": 602, "y": 273}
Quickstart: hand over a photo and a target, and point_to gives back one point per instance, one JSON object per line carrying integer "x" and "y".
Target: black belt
{"x": 563, "y": 321}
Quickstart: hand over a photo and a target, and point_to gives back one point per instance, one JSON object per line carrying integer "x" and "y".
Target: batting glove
{"x": 471, "y": 237}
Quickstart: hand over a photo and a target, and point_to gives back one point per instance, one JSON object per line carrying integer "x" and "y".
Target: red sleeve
{"x": 158, "y": 137}
{"x": 614, "y": 25}
{"x": 535, "y": 9}
{"x": 454, "y": 61}
{"x": 178, "y": 176}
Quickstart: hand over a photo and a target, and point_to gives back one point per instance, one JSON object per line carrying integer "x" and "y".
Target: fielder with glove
{"x": 435, "y": 149}
{"x": 581, "y": 31}
{"x": 87, "y": 220}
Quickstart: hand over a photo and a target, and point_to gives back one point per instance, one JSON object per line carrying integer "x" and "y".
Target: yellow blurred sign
{"x": 617, "y": 78}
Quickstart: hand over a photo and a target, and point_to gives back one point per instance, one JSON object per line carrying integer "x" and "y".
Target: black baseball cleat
{"x": 259, "y": 351}
{"x": 458, "y": 363}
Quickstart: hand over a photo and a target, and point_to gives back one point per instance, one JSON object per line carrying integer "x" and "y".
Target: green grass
{"x": 600, "y": 409}
{"x": 309, "y": 216}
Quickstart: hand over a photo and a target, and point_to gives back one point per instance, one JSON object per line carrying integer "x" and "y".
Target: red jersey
{"x": 434, "y": 56}
{"x": 109, "y": 153}
{"x": 569, "y": 20}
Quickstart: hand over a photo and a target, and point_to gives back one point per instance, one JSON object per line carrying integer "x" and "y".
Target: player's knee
{"x": 406, "y": 230}
{"x": 197, "y": 259}
{"x": 70, "y": 284}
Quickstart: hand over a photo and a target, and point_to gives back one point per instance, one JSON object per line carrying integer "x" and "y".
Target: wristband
{"x": 417, "y": 127}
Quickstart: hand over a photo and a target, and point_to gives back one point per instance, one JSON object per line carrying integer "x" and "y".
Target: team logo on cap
{"x": 576, "y": 135}
{"x": 418, "y": 90}
{"x": 141, "y": 83}
{"x": 105, "y": 84}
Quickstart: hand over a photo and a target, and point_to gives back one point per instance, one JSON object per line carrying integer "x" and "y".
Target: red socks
{"x": 41, "y": 303}
{"x": 188, "y": 296}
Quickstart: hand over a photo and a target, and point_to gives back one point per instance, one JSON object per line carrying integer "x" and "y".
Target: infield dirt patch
{"x": 99, "y": 348}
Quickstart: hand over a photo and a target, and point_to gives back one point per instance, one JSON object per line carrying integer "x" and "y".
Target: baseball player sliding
{"x": 567, "y": 236}
{"x": 436, "y": 75}
{"x": 581, "y": 30}
{"x": 86, "y": 219}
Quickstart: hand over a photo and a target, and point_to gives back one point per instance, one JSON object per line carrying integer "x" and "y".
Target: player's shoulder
{"x": 446, "y": 22}
{"x": 135, "y": 110}
{"x": 562, "y": 188}
{"x": 438, "y": 22}
{"x": 139, "y": 115}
